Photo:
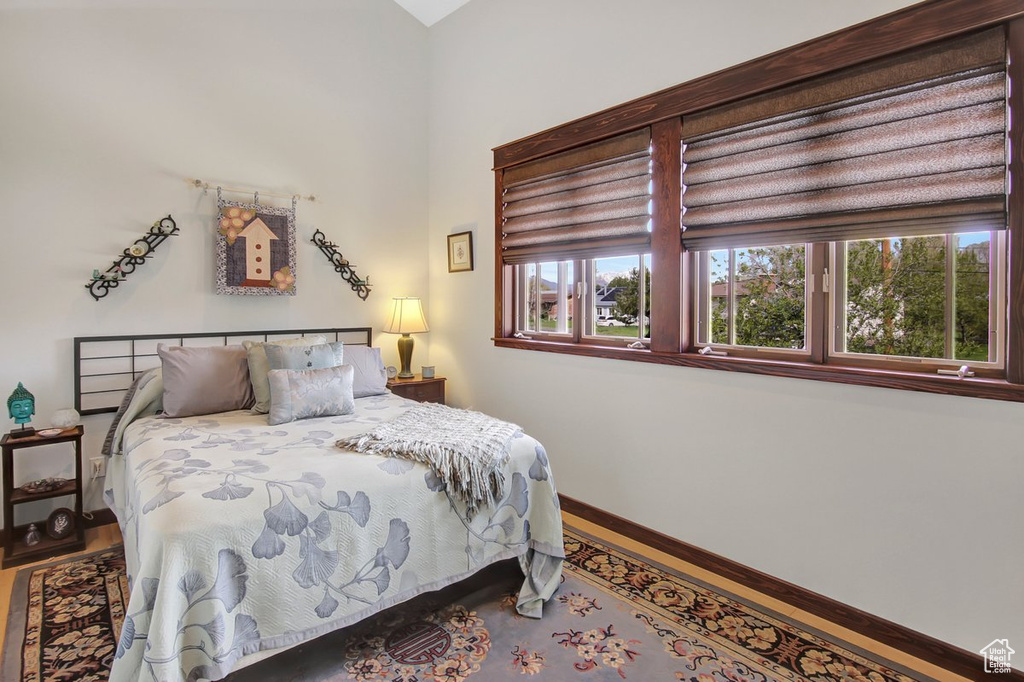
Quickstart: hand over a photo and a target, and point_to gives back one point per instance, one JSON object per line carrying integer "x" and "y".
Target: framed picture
{"x": 60, "y": 524}
{"x": 460, "y": 252}
{"x": 255, "y": 249}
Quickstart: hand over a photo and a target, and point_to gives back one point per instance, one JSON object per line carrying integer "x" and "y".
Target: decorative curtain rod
{"x": 205, "y": 186}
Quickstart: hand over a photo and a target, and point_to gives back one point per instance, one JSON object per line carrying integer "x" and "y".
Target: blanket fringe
{"x": 466, "y": 450}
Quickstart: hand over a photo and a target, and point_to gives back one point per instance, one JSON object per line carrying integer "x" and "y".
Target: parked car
{"x": 603, "y": 321}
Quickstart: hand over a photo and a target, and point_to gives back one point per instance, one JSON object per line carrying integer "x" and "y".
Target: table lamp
{"x": 406, "y": 318}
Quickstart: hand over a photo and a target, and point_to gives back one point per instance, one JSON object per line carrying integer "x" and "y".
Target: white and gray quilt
{"x": 242, "y": 537}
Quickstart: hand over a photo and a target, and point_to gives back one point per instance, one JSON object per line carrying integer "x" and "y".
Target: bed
{"x": 244, "y": 538}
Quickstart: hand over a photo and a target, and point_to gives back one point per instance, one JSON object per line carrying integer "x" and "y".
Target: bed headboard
{"x": 106, "y": 366}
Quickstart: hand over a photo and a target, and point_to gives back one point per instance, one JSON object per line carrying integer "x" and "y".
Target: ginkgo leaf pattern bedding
{"x": 242, "y": 537}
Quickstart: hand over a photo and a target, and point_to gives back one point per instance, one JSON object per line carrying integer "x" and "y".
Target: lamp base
{"x": 405, "y": 345}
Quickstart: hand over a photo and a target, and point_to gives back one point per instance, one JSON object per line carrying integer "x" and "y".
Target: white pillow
{"x": 371, "y": 377}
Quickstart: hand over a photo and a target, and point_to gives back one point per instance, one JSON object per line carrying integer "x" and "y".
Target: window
{"x": 754, "y": 297}
{"x": 609, "y": 308}
{"x": 545, "y": 297}
{"x": 920, "y": 303}
{"x": 573, "y": 227}
{"x": 921, "y": 298}
{"x": 616, "y": 298}
{"x": 847, "y": 218}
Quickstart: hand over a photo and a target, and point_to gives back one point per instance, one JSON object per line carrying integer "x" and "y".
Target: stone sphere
{"x": 65, "y": 419}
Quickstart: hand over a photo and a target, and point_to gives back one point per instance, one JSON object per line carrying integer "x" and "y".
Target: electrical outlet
{"x": 98, "y": 467}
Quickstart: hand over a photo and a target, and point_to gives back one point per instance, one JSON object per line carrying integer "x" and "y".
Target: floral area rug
{"x": 64, "y": 619}
{"x": 615, "y": 617}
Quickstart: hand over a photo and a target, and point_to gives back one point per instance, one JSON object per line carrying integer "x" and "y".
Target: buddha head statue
{"x": 21, "y": 405}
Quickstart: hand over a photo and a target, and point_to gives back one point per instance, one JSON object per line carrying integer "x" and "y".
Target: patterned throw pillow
{"x": 305, "y": 357}
{"x": 258, "y": 366}
{"x": 304, "y": 393}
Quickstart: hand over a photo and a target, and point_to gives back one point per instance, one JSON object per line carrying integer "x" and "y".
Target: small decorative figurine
{"x": 32, "y": 536}
{"x": 60, "y": 524}
{"x": 21, "y": 405}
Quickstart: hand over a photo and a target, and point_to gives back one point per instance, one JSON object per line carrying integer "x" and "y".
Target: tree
{"x": 770, "y": 297}
{"x": 896, "y": 298}
{"x": 972, "y": 289}
{"x": 627, "y": 301}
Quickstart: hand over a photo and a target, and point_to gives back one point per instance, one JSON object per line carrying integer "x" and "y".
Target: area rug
{"x": 65, "y": 618}
{"x": 615, "y": 617}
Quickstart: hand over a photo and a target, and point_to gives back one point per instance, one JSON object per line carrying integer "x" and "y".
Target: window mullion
{"x": 997, "y": 297}
{"x": 580, "y": 297}
{"x": 562, "y": 296}
{"x": 950, "y": 307}
{"x": 641, "y": 297}
{"x": 730, "y": 317}
{"x": 816, "y": 324}
{"x": 538, "y": 301}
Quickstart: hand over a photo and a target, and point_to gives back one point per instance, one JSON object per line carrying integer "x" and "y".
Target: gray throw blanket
{"x": 466, "y": 450}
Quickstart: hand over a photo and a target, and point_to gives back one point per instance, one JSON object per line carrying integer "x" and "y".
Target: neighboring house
{"x": 604, "y": 300}
{"x": 997, "y": 656}
{"x": 549, "y": 304}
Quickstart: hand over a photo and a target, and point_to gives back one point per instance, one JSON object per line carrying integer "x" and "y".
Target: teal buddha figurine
{"x": 21, "y": 405}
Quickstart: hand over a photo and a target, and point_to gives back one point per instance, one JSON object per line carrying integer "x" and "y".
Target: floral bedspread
{"x": 241, "y": 537}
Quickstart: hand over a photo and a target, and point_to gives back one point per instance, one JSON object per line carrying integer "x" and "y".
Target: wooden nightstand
{"x": 419, "y": 389}
{"x": 15, "y": 550}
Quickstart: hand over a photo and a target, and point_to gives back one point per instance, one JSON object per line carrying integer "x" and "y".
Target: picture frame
{"x": 61, "y": 523}
{"x": 460, "y": 252}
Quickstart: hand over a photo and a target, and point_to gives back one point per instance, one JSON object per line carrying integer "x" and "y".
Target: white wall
{"x": 903, "y": 504}
{"x": 906, "y": 505}
{"x": 103, "y": 114}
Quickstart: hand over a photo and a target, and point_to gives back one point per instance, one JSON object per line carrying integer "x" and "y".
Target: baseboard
{"x": 922, "y": 646}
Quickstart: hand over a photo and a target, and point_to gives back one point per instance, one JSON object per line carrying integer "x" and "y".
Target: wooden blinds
{"x": 920, "y": 150}
{"x": 583, "y": 203}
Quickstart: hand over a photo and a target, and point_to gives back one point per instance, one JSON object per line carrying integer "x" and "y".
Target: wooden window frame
{"x": 582, "y": 308}
{"x": 672, "y": 278}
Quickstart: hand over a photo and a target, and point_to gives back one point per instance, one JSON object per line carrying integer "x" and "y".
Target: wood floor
{"x": 105, "y": 536}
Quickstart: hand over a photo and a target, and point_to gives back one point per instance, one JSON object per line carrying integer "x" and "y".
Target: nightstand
{"x": 15, "y": 550}
{"x": 419, "y": 389}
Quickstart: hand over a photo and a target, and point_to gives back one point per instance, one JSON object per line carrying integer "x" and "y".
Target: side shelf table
{"x": 15, "y": 550}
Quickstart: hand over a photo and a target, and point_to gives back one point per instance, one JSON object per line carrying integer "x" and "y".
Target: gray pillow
{"x": 258, "y": 366}
{"x": 371, "y": 377}
{"x": 305, "y": 357}
{"x": 204, "y": 380}
{"x": 304, "y": 393}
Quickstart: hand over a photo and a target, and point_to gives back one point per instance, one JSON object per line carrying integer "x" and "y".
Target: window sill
{"x": 993, "y": 389}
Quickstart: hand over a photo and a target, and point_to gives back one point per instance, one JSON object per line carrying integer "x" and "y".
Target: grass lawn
{"x": 629, "y": 331}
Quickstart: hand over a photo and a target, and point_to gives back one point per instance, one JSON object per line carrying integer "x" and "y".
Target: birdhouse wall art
{"x": 255, "y": 249}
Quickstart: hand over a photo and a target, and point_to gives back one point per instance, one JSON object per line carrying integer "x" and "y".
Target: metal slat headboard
{"x": 106, "y": 366}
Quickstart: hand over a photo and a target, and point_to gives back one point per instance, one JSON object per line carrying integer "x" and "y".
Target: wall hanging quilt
{"x": 255, "y": 249}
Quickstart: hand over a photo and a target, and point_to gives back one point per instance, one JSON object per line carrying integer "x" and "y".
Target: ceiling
{"x": 429, "y": 12}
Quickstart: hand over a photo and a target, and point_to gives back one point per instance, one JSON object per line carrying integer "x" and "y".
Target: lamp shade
{"x": 406, "y": 317}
